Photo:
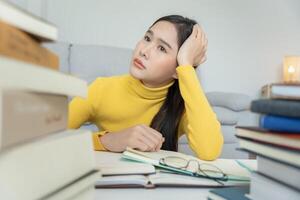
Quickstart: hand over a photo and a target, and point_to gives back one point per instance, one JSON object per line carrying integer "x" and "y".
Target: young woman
{"x": 160, "y": 100}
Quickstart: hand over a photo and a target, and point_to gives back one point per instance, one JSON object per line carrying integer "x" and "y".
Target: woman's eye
{"x": 163, "y": 49}
{"x": 147, "y": 38}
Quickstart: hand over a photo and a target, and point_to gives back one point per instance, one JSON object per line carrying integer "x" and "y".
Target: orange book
{"x": 19, "y": 45}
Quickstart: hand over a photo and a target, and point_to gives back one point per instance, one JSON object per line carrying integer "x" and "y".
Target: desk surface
{"x": 141, "y": 193}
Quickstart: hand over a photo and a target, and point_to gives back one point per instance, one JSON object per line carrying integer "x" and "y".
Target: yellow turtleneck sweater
{"x": 119, "y": 102}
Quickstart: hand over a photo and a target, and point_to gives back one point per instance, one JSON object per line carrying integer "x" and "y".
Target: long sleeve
{"x": 84, "y": 110}
{"x": 199, "y": 121}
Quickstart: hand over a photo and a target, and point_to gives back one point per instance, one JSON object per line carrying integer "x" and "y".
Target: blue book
{"x": 280, "y": 124}
{"x": 229, "y": 193}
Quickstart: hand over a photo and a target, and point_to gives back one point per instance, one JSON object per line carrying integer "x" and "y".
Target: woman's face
{"x": 154, "y": 59}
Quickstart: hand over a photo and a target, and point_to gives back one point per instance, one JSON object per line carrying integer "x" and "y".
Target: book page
{"x": 126, "y": 167}
{"x": 177, "y": 180}
{"x": 227, "y": 166}
{"x": 122, "y": 180}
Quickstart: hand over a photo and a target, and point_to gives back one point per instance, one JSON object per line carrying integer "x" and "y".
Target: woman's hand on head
{"x": 193, "y": 50}
{"x": 139, "y": 137}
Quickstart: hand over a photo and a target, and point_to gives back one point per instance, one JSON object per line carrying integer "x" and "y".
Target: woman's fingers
{"x": 202, "y": 44}
{"x": 150, "y": 140}
{"x": 141, "y": 145}
{"x": 151, "y": 137}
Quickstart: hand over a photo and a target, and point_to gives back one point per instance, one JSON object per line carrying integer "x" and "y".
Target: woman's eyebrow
{"x": 161, "y": 40}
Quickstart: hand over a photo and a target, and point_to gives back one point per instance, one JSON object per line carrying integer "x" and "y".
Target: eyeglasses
{"x": 201, "y": 170}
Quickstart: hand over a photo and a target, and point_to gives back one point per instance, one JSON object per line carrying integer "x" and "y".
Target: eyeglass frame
{"x": 197, "y": 174}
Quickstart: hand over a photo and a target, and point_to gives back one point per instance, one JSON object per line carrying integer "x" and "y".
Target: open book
{"x": 234, "y": 170}
{"x": 161, "y": 179}
{"x": 136, "y": 169}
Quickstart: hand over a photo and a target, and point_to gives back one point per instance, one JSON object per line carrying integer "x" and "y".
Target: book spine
{"x": 27, "y": 22}
{"x": 45, "y": 166}
{"x": 279, "y": 171}
{"x": 276, "y": 107}
{"x": 280, "y": 124}
{"x": 28, "y": 115}
{"x": 19, "y": 45}
{"x": 263, "y": 187}
{"x": 265, "y": 91}
{"x": 26, "y": 76}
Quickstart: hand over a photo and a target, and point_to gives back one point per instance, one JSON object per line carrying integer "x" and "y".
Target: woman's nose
{"x": 145, "y": 51}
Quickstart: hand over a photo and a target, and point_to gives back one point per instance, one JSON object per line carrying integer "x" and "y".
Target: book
{"x": 229, "y": 193}
{"x": 25, "y": 116}
{"x": 126, "y": 168}
{"x": 276, "y": 107}
{"x": 110, "y": 163}
{"x": 81, "y": 189}
{"x": 280, "y": 124}
{"x": 221, "y": 169}
{"x": 280, "y": 154}
{"x": 19, "y": 45}
{"x": 27, "y": 22}
{"x": 16, "y": 74}
{"x": 160, "y": 179}
{"x": 263, "y": 187}
{"x": 281, "y": 91}
{"x": 287, "y": 174}
{"x": 43, "y": 167}
{"x": 287, "y": 140}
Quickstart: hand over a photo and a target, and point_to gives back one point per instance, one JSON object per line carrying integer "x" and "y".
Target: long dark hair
{"x": 167, "y": 119}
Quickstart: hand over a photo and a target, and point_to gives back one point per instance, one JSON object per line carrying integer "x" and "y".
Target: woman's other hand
{"x": 193, "y": 50}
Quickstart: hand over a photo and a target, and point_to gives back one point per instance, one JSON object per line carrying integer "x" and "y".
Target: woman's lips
{"x": 138, "y": 63}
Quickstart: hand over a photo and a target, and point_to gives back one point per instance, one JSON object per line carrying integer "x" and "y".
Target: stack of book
{"x": 39, "y": 157}
{"x": 276, "y": 142}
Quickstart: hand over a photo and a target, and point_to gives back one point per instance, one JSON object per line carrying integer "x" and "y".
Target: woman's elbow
{"x": 211, "y": 150}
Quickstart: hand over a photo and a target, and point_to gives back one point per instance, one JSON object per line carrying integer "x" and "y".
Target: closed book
{"x": 41, "y": 168}
{"x": 276, "y": 107}
{"x": 110, "y": 164}
{"x": 291, "y": 157}
{"x": 287, "y": 140}
{"x": 229, "y": 193}
{"x": 28, "y": 115}
{"x": 262, "y": 188}
{"x": 279, "y": 123}
{"x": 19, "y": 45}
{"x": 281, "y": 91}
{"x": 82, "y": 189}
{"x": 126, "y": 168}
{"x": 27, "y": 22}
{"x": 287, "y": 174}
{"x": 16, "y": 74}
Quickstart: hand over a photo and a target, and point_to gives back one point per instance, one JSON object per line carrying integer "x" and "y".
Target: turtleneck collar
{"x": 146, "y": 92}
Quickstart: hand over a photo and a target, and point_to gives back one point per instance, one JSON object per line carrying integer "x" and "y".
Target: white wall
{"x": 247, "y": 38}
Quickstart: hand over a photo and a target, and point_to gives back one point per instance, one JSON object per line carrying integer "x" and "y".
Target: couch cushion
{"x": 226, "y": 116}
{"x": 227, "y": 131}
{"x": 233, "y": 101}
{"x": 91, "y": 61}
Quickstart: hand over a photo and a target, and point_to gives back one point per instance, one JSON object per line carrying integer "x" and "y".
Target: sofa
{"x": 91, "y": 61}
